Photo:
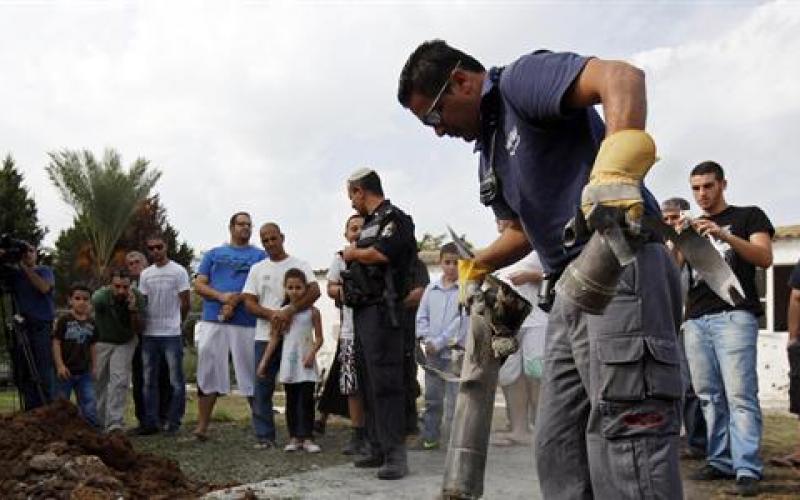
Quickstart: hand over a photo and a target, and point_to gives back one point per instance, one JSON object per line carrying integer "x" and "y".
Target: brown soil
{"x": 50, "y": 452}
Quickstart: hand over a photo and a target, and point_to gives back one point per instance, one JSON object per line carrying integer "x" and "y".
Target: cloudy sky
{"x": 268, "y": 106}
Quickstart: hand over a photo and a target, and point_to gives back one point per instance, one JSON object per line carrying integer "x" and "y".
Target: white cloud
{"x": 733, "y": 99}
{"x": 269, "y": 106}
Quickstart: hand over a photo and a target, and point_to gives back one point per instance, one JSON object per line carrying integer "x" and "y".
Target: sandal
{"x": 200, "y": 436}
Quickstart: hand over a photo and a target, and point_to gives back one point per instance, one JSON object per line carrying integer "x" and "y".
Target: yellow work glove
{"x": 470, "y": 276}
{"x": 622, "y": 162}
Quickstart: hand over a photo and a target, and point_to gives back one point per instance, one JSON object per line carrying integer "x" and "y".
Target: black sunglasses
{"x": 433, "y": 117}
{"x": 160, "y": 246}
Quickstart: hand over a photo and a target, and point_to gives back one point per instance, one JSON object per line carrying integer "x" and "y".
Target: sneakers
{"x": 265, "y": 444}
{"x": 292, "y": 446}
{"x": 710, "y": 473}
{"x": 747, "y": 486}
{"x": 310, "y": 446}
{"x": 425, "y": 445}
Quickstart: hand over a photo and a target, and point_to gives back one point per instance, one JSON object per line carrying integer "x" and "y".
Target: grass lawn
{"x": 780, "y": 435}
{"x": 228, "y": 456}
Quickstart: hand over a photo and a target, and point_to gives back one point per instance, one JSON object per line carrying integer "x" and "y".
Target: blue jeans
{"x": 263, "y": 420}
{"x": 84, "y": 393}
{"x": 722, "y": 358}
{"x": 170, "y": 349}
{"x": 440, "y": 397}
{"x": 38, "y": 336}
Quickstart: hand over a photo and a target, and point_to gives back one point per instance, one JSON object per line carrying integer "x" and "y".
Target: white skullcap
{"x": 360, "y": 174}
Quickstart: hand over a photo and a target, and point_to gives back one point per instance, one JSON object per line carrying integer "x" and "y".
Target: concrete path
{"x": 510, "y": 475}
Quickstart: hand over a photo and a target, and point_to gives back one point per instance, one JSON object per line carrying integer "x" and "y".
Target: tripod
{"x": 19, "y": 351}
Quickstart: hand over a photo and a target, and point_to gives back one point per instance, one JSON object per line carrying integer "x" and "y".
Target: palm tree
{"x": 103, "y": 195}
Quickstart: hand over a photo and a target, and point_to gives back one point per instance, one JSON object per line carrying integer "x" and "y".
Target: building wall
{"x": 786, "y": 252}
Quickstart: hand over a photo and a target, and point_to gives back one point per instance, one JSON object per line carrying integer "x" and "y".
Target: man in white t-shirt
{"x": 263, "y": 297}
{"x": 165, "y": 284}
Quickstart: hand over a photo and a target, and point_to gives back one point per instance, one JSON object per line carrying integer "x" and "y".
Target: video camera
{"x": 11, "y": 252}
{"x": 12, "y": 249}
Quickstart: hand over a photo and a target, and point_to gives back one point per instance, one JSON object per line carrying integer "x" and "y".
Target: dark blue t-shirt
{"x": 543, "y": 152}
{"x": 226, "y": 268}
{"x": 33, "y": 303}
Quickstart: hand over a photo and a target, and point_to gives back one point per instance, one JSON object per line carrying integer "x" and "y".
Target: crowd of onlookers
{"x": 258, "y": 312}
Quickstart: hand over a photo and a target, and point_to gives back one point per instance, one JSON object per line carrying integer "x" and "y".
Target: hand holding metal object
{"x": 703, "y": 257}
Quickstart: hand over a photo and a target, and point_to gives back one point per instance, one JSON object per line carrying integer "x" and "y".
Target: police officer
{"x": 374, "y": 285}
{"x": 608, "y": 416}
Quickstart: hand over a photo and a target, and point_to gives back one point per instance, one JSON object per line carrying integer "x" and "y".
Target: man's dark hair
{"x": 370, "y": 182}
{"x": 273, "y": 225}
{"x": 157, "y": 236}
{"x": 709, "y": 167}
{"x": 121, "y": 273}
{"x": 79, "y": 286}
{"x": 675, "y": 203}
{"x": 429, "y": 66}
{"x": 448, "y": 248}
{"x": 234, "y": 216}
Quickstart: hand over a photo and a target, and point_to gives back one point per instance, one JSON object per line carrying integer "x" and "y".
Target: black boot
{"x": 357, "y": 444}
{"x": 373, "y": 458}
{"x": 396, "y": 464}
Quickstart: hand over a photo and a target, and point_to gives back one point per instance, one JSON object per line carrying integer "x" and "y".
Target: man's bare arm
{"x": 413, "y": 297}
{"x": 618, "y": 86}
{"x": 794, "y": 315}
{"x": 334, "y": 290}
{"x": 42, "y": 285}
{"x": 369, "y": 255}
{"x": 205, "y": 290}
{"x": 509, "y": 247}
{"x": 184, "y": 297}
{"x": 254, "y": 308}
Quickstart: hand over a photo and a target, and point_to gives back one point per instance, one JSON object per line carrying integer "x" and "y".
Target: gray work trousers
{"x": 113, "y": 378}
{"x": 609, "y": 408}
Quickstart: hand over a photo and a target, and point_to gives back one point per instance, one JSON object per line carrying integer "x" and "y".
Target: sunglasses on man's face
{"x": 433, "y": 117}
{"x": 155, "y": 247}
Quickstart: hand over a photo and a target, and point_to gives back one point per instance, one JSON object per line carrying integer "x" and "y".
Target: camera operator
{"x": 33, "y": 285}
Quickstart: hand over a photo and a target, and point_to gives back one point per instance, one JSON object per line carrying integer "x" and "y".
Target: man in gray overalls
{"x": 608, "y": 417}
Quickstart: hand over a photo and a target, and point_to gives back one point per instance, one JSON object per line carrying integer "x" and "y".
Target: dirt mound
{"x": 51, "y": 452}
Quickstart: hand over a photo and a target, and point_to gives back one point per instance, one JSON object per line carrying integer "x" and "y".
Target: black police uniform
{"x": 378, "y": 332}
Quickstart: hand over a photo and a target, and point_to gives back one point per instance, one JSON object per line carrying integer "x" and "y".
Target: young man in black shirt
{"x": 721, "y": 339}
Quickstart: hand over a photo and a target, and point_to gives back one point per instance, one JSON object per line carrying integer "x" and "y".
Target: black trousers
{"x": 300, "y": 409}
{"x": 412, "y": 387}
{"x": 379, "y": 351}
{"x": 164, "y": 387}
{"x": 794, "y": 378}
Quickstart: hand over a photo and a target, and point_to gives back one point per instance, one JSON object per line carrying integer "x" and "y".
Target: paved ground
{"x": 510, "y": 475}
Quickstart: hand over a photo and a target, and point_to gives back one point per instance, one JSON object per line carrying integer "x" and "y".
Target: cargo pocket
{"x": 662, "y": 369}
{"x": 622, "y": 369}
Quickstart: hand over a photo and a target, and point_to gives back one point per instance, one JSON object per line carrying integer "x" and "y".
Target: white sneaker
{"x": 311, "y": 447}
{"x": 292, "y": 446}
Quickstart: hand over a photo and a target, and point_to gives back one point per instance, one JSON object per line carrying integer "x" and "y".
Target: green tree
{"x": 151, "y": 217}
{"x": 104, "y": 196}
{"x": 430, "y": 242}
{"x": 18, "y": 215}
{"x": 74, "y": 259}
